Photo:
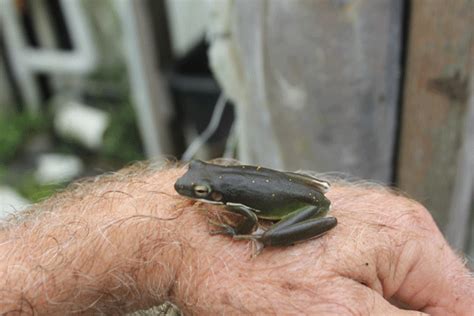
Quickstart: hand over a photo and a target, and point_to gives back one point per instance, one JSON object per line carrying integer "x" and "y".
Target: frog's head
{"x": 196, "y": 183}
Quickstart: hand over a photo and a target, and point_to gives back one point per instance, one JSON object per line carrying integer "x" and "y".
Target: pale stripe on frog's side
{"x": 228, "y": 204}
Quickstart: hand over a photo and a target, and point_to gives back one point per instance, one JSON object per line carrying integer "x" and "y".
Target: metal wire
{"x": 210, "y": 129}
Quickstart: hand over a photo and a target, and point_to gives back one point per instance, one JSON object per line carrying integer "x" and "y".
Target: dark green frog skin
{"x": 296, "y": 201}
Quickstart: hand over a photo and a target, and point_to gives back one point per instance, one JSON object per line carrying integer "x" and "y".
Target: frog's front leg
{"x": 303, "y": 224}
{"x": 247, "y": 226}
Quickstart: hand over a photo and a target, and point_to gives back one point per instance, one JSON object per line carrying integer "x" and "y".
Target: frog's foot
{"x": 226, "y": 229}
{"x": 248, "y": 225}
{"x": 255, "y": 238}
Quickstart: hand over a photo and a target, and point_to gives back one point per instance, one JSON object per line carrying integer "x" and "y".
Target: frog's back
{"x": 273, "y": 193}
{"x": 283, "y": 178}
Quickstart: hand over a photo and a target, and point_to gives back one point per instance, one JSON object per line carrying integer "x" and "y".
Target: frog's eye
{"x": 202, "y": 190}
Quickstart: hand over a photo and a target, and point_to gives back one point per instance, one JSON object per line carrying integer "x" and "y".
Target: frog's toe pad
{"x": 226, "y": 230}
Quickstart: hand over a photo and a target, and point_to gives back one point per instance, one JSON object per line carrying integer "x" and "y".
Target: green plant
{"x": 14, "y": 130}
{"x": 29, "y": 188}
{"x": 122, "y": 140}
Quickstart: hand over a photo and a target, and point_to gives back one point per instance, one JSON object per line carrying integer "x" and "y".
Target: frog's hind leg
{"x": 305, "y": 223}
{"x": 247, "y": 226}
{"x": 301, "y": 231}
{"x": 303, "y": 214}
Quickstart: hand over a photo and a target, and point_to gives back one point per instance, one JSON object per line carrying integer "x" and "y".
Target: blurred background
{"x": 380, "y": 90}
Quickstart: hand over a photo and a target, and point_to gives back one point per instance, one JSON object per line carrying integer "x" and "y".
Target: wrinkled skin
{"x": 128, "y": 242}
{"x": 386, "y": 253}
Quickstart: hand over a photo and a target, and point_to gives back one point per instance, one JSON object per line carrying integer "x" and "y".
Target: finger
{"x": 401, "y": 254}
{"x": 382, "y": 307}
{"x": 434, "y": 279}
{"x": 358, "y": 299}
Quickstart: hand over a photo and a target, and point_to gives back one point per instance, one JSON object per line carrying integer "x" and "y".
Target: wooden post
{"x": 435, "y": 103}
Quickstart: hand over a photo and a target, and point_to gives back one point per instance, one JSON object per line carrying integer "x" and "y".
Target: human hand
{"x": 385, "y": 252}
{"x": 128, "y": 241}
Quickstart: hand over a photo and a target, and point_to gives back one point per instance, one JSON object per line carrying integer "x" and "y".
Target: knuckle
{"x": 414, "y": 216}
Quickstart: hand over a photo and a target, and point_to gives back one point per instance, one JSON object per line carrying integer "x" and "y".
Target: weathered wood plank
{"x": 439, "y": 60}
{"x": 322, "y": 83}
{"x": 462, "y": 207}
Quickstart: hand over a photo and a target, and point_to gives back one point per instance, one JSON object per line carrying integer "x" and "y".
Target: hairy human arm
{"x": 106, "y": 245}
{"x": 127, "y": 242}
